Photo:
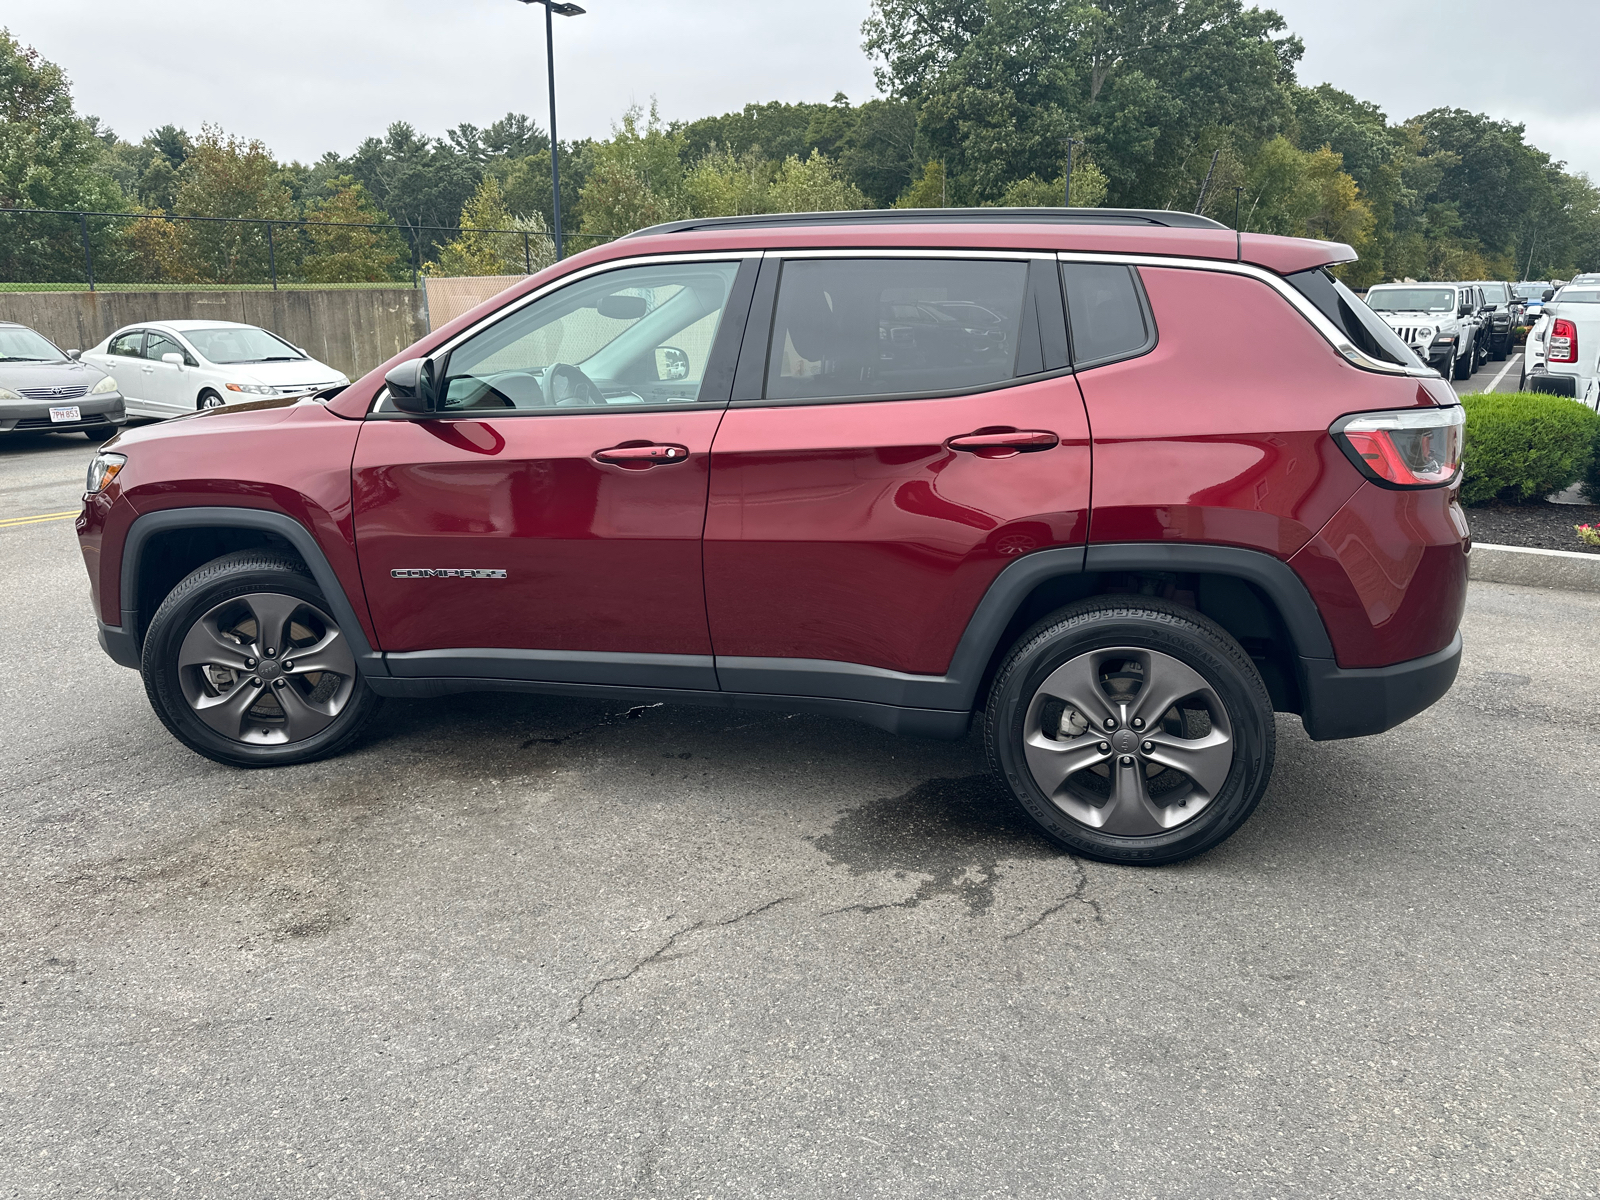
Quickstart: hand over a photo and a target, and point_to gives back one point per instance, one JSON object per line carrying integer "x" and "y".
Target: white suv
{"x": 1442, "y": 322}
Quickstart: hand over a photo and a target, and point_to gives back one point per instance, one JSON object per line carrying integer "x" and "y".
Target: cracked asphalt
{"x": 519, "y": 946}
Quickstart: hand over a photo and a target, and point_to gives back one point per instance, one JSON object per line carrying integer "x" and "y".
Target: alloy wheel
{"x": 266, "y": 669}
{"x": 1128, "y": 741}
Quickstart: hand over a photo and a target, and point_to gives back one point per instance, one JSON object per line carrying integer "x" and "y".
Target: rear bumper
{"x": 1554, "y": 384}
{"x": 1348, "y": 702}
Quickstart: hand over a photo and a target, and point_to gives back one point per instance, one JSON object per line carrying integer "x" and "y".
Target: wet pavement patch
{"x": 955, "y": 832}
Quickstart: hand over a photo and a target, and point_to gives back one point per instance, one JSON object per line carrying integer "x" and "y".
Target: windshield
{"x": 1440, "y": 300}
{"x": 1531, "y": 291}
{"x": 241, "y": 344}
{"x": 1495, "y": 293}
{"x": 24, "y": 345}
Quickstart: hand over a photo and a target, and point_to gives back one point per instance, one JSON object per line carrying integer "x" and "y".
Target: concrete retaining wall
{"x": 353, "y": 329}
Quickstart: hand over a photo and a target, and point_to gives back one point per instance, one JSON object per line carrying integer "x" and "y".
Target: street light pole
{"x": 551, "y": 8}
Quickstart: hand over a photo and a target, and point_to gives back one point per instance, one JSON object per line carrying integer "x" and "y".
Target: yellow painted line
{"x": 11, "y": 522}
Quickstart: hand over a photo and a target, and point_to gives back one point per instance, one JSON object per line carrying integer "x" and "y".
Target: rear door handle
{"x": 1002, "y": 443}
{"x": 638, "y": 457}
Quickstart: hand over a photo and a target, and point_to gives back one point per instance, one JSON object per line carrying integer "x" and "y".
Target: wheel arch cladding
{"x": 162, "y": 547}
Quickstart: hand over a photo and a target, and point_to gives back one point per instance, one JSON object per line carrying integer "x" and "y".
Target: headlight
{"x": 8, "y": 394}
{"x": 108, "y": 384}
{"x": 103, "y": 469}
{"x": 1425, "y": 333}
{"x": 253, "y": 389}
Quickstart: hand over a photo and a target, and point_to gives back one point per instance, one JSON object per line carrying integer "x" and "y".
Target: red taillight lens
{"x": 1563, "y": 341}
{"x": 1407, "y": 448}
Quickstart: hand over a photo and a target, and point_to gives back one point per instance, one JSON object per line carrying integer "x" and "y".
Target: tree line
{"x": 1187, "y": 104}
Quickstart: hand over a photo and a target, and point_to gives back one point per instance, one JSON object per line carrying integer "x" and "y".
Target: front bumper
{"x": 29, "y": 416}
{"x": 1348, "y": 702}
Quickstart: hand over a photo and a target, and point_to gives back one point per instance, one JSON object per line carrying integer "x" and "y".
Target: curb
{"x": 1568, "y": 569}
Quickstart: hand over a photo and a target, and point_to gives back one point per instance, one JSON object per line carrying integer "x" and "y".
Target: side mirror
{"x": 672, "y": 364}
{"x": 1549, "y": 293}
{"x": 175, "y": 359}
{"x": 1464, "y": 311}
{"x": 411, "y": 386}
{"x": 74, "y": 355}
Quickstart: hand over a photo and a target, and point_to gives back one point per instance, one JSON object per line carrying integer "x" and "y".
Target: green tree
{"x": 812, "y": 185}
{"x": 635, "y": 179}
{"x": 49, "y": 158}
{"x": 1088, "y": 189}
{"x": 227, "y": 176}
{"x": 1001, "y": 85}
{"x": 723, "y": 184}
{"x": 337, "y": 253}
{"x": 484, "y": 247}
{"x": 927, "y": 189}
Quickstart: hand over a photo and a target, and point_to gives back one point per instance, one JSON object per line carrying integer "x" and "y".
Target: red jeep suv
{"x": 1122, "y": 483}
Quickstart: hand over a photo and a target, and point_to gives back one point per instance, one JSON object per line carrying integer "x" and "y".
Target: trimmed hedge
{"x": 1523, "y": 446}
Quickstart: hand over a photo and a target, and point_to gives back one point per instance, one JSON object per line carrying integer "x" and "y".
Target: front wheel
{"x": 244, "y": 665}
{"x": 1131, "y": 730}
{"x": 1466, "y": 364}
{"x": 209, "y": 399}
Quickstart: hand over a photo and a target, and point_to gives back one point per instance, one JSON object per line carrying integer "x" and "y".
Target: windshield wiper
{"x": 281, "y": 358}
{"x": 23, "y": 358}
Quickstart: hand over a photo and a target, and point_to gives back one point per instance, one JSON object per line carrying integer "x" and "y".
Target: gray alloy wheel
{"x": 1128, "y": 741}
{"x": 1131, "y": 730}
{"x": 209, "y": 399}
{"x": 266, "y": 668}
{"x": 243, "y": 663}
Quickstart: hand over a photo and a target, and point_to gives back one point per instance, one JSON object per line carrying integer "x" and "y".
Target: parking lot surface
{"x": 517, "y": 946}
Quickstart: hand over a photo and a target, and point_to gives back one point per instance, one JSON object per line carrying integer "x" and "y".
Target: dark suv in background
{"x": 1502, "y": 316}
{"x": 1119, "y": 484}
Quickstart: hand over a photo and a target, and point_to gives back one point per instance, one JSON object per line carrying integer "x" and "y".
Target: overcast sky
{"x": 307, "y": 76}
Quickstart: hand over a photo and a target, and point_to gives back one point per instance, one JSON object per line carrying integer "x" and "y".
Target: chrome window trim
{"x": 896, "y": 252}
{"x": 1313, "y": 315}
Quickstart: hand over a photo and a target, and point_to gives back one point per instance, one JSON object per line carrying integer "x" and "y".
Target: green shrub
{"x": 1591, "y": 477}
{"x": 1522, "y": 446}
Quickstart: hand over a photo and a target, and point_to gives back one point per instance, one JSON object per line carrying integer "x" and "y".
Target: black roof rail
{"x": 945, "y": 216}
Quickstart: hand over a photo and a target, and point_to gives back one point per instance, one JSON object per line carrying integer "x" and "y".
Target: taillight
{"x": 1563, "y": 341}
{"x": 1406, "y": 448}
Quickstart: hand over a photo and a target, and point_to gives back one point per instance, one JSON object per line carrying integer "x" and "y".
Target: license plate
{"x": 67, "y": 412}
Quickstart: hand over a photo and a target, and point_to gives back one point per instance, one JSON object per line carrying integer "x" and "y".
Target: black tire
{"x": 209, "y": 399}
{"x": 1103, "y": 628}
{"x": 1502, "y": 350}
{"x": 101, "y": 433}
{"x": 1465, "y": 365}
{"x": 264, "y": 741}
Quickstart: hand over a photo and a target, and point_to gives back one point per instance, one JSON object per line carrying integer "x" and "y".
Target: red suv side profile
{"x": 1121, "y": 483}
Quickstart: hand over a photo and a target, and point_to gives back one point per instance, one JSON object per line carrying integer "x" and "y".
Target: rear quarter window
{"x": 1107, "y": 313}
{"x": 1350, "y": 314}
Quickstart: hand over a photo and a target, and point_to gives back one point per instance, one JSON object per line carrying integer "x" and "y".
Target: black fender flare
{"x": 123, "y": 643}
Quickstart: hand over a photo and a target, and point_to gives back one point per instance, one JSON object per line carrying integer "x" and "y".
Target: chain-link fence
{"x": 72, "y": 250}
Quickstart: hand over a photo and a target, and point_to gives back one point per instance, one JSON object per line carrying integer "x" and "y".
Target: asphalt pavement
{"x": 517, "y": 946}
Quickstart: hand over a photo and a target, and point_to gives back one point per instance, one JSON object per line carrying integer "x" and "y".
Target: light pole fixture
{"x": 1071, "y": 142}
{"x": 563, "y": 10}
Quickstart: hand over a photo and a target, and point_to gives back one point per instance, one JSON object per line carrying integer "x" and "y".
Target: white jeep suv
{"x": 1442, "y": 322}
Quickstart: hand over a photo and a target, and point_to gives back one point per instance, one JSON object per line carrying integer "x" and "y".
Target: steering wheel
{"x": 565, "y": 386}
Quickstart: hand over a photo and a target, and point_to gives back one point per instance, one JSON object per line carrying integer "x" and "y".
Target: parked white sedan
{"x": 163, "y": 368}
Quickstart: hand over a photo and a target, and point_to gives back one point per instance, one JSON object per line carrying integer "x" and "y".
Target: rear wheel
{"x": 244, "y": 664}
{"x": 1131, "y": 730}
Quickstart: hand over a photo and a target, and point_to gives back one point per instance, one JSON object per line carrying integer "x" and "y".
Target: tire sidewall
{"x": 1238, "y": 686}
{"x": 199, "y": 593}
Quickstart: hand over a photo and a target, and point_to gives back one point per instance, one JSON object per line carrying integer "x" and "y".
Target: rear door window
{"x": 863, "y": 327}
{"x": 126, "y": 345}
{"x": 1106, "y": 313}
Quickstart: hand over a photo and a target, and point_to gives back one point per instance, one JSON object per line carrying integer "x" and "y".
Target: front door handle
{"x": 1003, "y": 443}
{"x": 638, "y": 456}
